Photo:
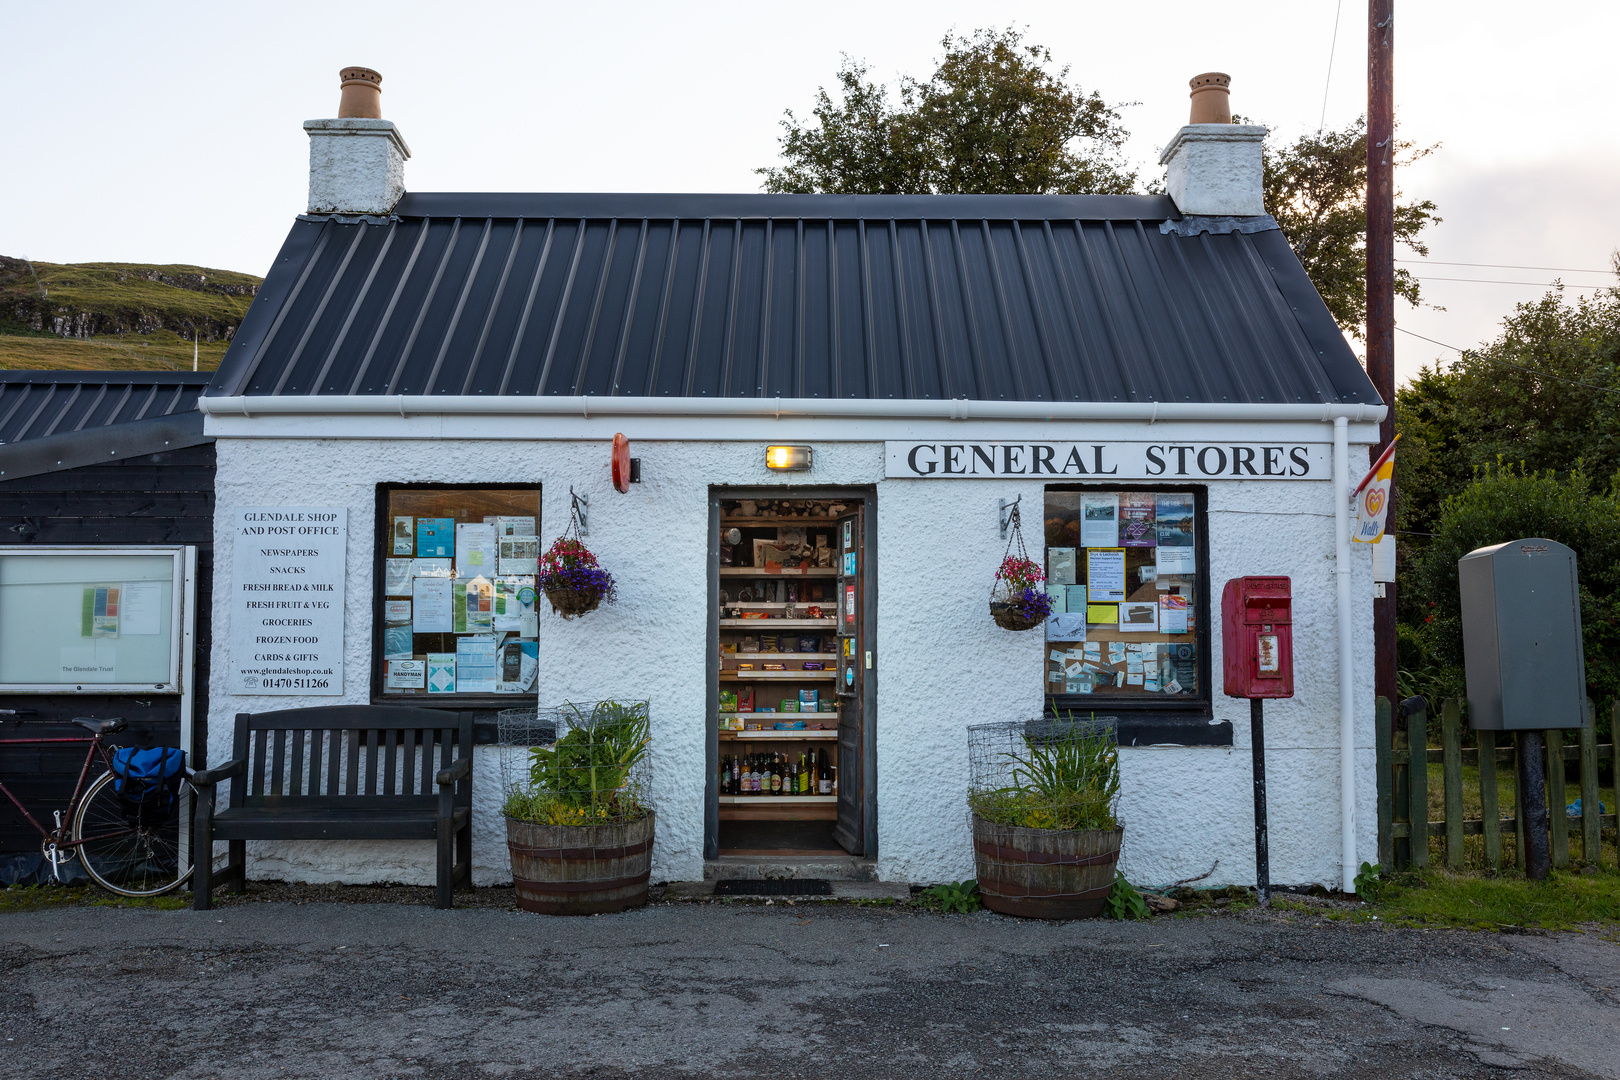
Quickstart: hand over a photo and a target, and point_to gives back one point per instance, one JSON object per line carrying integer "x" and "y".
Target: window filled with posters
{"x": 1127, "y": 572}
{"x": 457, "y": 611}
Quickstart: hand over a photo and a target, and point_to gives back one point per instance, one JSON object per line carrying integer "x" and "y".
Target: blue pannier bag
{"x": 148, "y": 781}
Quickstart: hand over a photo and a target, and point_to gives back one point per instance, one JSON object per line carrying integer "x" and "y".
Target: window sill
{"x": 1161, "y": 724}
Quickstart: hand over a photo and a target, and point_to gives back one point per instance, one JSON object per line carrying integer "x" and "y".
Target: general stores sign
{"x": 1112, "y": 459}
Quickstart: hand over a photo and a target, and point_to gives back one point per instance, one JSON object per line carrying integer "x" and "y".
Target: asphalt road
{"x": 688, "y": 989}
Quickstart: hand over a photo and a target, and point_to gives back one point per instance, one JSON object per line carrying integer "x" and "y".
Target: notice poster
{"x": 404, "y": 536}
{"x": 1172, "y": 614}
{"x": 1074, "y": 598}
{"x": 433, "y": 568}
{"x": 397, "y": 643}
{"x": 511, "y": 526}
{"x": 397, "y": 574}
{"x": 476, "y": 669}
{"x": 435, "y": 538}
{"x": 1174, "y": 529}
{"x": 1136, "y": 519}
{"x": 515, "y": 606}
{"x": 430, "y": 605}
{"x": 286, "y": 600}
{"x": 140, "y": 608}
{"x": 407, "y": 674}
{"x": 1102, "y": 614}
{"x": 1060, "y": 604}
{"x": 472, "y": 606}
{"x": 1105, "y": 574}
{"x": 98, "y": 612}
{"x": 1140, "y": 616}
{"x": 1060, "y": 566}
{"x": 1099, "y": 521}
{"x": 441, "y": 673}
{"x": 475, "y": 550}
{"x": 397, "y": 639}
{"x": 1066, "y": 627}
{"x": 519, "y": 664}
{"x": 518, "y": 555}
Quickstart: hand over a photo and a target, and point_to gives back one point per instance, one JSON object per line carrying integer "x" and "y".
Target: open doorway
{"x": 791, "y": 748}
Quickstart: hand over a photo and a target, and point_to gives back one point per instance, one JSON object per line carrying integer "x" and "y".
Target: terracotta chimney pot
{"x": 1211, "y": 100}
{"x": 362, "y": 94}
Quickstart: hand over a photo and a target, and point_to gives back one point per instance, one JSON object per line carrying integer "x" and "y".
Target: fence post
{"x": 1383, "y": 746}
{"x": 1417, "y": 783}
{"x": 1490, "y": 810}
{"x": 1451, "y": 778}
{"x": 1518, "y": 809}
{"x": 1591, "y": 836}
{"x": 1557, "y": 802}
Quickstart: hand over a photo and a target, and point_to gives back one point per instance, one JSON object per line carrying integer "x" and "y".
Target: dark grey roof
{"x": 985, "y": 297}
{"x": 52, "y": 420}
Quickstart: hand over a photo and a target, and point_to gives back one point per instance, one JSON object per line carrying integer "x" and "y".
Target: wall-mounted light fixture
{"x": 791, "y": 458}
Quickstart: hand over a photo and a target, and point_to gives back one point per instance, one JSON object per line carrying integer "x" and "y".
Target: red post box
{"x": 1257, "y": 637}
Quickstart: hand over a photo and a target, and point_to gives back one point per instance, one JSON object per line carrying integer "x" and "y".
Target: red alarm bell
{"x": 621, "y": 463}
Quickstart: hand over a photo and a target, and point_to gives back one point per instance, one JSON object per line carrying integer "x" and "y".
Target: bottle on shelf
{"x": 823, "y": 777}
{"x": 725, "y": 775}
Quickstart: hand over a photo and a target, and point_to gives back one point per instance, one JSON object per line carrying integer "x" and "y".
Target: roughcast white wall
{"x": 941, "y": 665}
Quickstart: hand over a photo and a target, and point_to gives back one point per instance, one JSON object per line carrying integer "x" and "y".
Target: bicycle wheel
{"x": 132, "y": 851}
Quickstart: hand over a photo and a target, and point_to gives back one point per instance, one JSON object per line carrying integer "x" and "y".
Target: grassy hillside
{"x": 118, "y": 315}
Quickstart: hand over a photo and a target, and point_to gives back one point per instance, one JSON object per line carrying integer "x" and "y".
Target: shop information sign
{"x": 287, "y": 571}
{"x": 1116, "y": 460}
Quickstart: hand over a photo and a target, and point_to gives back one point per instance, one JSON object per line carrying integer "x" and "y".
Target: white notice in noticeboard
{"x": 287, "y": 572}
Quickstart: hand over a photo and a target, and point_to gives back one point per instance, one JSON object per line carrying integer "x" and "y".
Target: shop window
{"x": 456, "y": 614}
{"x": 1127, "y": 571}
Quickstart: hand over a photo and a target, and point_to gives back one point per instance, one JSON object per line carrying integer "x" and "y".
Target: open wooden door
{"x": 850, "y": 831}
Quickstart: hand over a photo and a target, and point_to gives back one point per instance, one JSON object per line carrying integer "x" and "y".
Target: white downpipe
{"x": 937, "y": 409}
{"x": 1347, "y": 696}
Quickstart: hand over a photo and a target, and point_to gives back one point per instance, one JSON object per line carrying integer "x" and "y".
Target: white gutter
{"x": 1347, "y": 711}
{"x": 951, "y": 409}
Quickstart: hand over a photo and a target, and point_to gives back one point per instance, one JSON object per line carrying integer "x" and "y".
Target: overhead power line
{"x": 1506, "y": 266}
{"x": 1333, "y": 48}
{"x": 1516, "y": 367}
{"x": 1498, "y": 281}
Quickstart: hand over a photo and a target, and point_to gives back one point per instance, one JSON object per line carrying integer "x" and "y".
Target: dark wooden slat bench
{"x": 341, "y": 772}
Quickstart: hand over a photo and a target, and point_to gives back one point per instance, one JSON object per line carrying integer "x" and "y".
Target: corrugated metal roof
{"x": 38, "y": 404}
{"x": 984, "y": 297}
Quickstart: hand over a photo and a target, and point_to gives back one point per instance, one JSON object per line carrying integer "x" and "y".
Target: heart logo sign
{"x": 1374, "y": 501}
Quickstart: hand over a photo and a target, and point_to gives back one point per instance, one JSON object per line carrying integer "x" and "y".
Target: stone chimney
{"x": 357, "y": 161}
{"x": 1212, "y": 166}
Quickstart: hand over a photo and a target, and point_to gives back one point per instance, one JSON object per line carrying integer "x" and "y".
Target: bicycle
{"x": 132, "y": 849}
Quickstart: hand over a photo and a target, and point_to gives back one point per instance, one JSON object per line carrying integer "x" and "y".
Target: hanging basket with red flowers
{"x": 1017, "y": 599}
{"x": 570, "y": 575}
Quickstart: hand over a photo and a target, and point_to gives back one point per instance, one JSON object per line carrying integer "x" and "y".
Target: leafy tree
{"x": 1506, "y": 502}
{"x": 993, "y": 117}
{"x": 1316, "y": 188}
{"x": 1545, "y": 394}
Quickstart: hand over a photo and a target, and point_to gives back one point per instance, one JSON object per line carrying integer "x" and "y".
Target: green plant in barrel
{"x": 1064, "y": 776}
{"x": 1046, "y": 838}
{"x": 587, "y": 777}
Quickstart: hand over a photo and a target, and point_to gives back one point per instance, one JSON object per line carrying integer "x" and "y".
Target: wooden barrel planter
{"x": 580, "y": 869}
{"x": 1045, "y": 873}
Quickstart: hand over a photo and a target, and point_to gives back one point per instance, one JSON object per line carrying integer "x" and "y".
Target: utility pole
{"x": 1381, "y": 287}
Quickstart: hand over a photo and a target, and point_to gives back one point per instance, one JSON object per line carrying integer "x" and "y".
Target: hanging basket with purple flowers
{"x": 570, "y": 576}
{"x": 1017, "y": 599}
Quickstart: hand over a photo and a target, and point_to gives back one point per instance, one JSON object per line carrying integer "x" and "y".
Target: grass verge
{"x": 45, "y": 897}
{"x": 1566, "y": 900}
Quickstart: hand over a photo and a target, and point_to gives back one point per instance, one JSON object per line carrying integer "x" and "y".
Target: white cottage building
{"x": 1152, "y": 380}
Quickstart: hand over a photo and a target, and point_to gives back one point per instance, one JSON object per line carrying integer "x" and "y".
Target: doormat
{"x": 773, "y": 887}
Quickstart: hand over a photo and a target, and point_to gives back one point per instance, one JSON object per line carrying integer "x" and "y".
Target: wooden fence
{"x": 1404, "y": 798}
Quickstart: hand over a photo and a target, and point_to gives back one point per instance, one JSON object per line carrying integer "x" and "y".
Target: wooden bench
{"x": 341, "y": 772}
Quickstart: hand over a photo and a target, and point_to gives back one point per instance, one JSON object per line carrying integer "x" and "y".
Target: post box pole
{"x": 1532, "y": 806}
{"x": 1262, "y": 853}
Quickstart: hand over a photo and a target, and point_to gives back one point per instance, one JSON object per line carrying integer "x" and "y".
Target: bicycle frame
{"x": 60, "y": 838}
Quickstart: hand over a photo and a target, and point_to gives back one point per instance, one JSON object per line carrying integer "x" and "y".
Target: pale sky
{"x": 165, "y": 132}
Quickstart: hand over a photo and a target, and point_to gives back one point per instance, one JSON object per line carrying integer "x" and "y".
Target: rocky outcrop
{"x": 88, "y": 300}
